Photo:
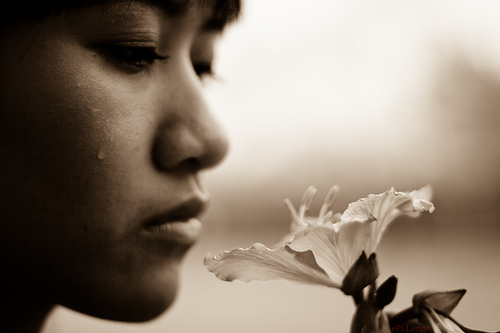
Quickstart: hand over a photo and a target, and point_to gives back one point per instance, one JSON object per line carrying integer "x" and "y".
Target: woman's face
{"x": 103, "y": 133}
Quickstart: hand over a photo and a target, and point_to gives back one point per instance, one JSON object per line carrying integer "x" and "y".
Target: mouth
{"x": 182, "y": 232}
{"x": 180, "y": 224}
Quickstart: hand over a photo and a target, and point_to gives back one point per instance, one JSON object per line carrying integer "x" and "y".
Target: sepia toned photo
{"x": 226, "y": 166}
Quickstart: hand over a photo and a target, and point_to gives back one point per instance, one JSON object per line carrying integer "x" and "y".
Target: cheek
{"x": 73, "y": 152}
{"x": 57, "y": 133}
{"x": 75, "y": 169}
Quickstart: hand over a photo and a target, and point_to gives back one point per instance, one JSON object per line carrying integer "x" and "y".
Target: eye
{"x": 132, "y": 59}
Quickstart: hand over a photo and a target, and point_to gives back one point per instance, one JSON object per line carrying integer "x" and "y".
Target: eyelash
{"x": 133, "y": 59}
{"x": 137, "y": 59}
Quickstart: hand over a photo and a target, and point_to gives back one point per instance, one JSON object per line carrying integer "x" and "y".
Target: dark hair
{"x": 224, "y": 11}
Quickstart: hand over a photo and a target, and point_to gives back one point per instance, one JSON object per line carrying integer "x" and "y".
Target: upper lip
{"x": 189, "y": 208}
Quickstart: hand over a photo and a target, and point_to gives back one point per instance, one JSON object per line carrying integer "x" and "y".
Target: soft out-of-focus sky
{"x": 366, "y": 95}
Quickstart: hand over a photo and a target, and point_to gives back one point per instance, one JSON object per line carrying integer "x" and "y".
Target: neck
{"x": 23, "y": 322}
{"x": 22, "y": 310}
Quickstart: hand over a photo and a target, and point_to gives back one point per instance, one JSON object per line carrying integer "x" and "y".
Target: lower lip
{"x": 182, "y": 232}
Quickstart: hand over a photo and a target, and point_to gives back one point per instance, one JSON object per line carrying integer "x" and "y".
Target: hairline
{"x": 223, "y": 11}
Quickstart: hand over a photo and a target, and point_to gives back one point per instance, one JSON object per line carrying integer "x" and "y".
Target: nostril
{"x": 175, "y": 147}
{"x": 163, "y": 161}
{"x": 191, "y": 164}
{"x": 172, "y": 157}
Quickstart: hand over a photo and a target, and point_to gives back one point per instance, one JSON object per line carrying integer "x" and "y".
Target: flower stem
{"x": 358, "y": 297}
{"x": 403, "y": 316}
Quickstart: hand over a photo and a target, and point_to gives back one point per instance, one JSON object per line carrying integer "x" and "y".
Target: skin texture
{"x": 93, "y": 146}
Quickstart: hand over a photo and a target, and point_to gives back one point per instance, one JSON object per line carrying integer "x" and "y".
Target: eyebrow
{"x": 223, "y": 11}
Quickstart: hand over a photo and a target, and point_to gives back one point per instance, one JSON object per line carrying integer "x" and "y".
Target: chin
{"x": 134, "y": 302}
{"x": 142, "y": 311}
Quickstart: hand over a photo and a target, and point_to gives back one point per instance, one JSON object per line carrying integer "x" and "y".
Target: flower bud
{"x": 386, "y": 292}
{"x": 362, "y": 273}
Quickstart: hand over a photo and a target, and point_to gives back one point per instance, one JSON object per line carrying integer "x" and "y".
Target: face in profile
{"x": 103, "y": 134}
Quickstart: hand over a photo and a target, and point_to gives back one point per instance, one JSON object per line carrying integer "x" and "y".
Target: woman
{"x": 103, "y": 134}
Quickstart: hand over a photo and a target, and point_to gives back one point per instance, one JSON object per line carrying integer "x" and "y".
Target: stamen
{"x": 326, "y": 218}
{"x": 330, "y": 199}
{"x": 306, "y": 202}
{"x": 291, "y": 209}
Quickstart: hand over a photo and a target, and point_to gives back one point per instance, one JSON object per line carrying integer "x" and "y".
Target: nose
{"x": 188, "y": 138}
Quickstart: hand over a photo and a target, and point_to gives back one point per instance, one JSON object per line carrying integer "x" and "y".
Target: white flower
{"x": 433, "y": 308}
{"x": 321, "y": 250}
{"x": 440, "y": 323}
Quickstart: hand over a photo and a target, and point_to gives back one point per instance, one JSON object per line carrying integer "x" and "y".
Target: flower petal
{"x": 321, "y": 250}
{"x": 451, "y": 325}
{"x": 261, "y": 263}
{"x": 384, "y": 208}
{"x": 422, "y": 199}
{"x": 335, "y": 250}
{"x": 440, "y": 323}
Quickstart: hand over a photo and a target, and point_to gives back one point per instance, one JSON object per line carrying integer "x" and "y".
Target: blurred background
{"x": 366, "y": 95}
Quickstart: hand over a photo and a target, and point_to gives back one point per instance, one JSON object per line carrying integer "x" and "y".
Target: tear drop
{"x": 101, "y": 154}
{"x": 95, "y": 111}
